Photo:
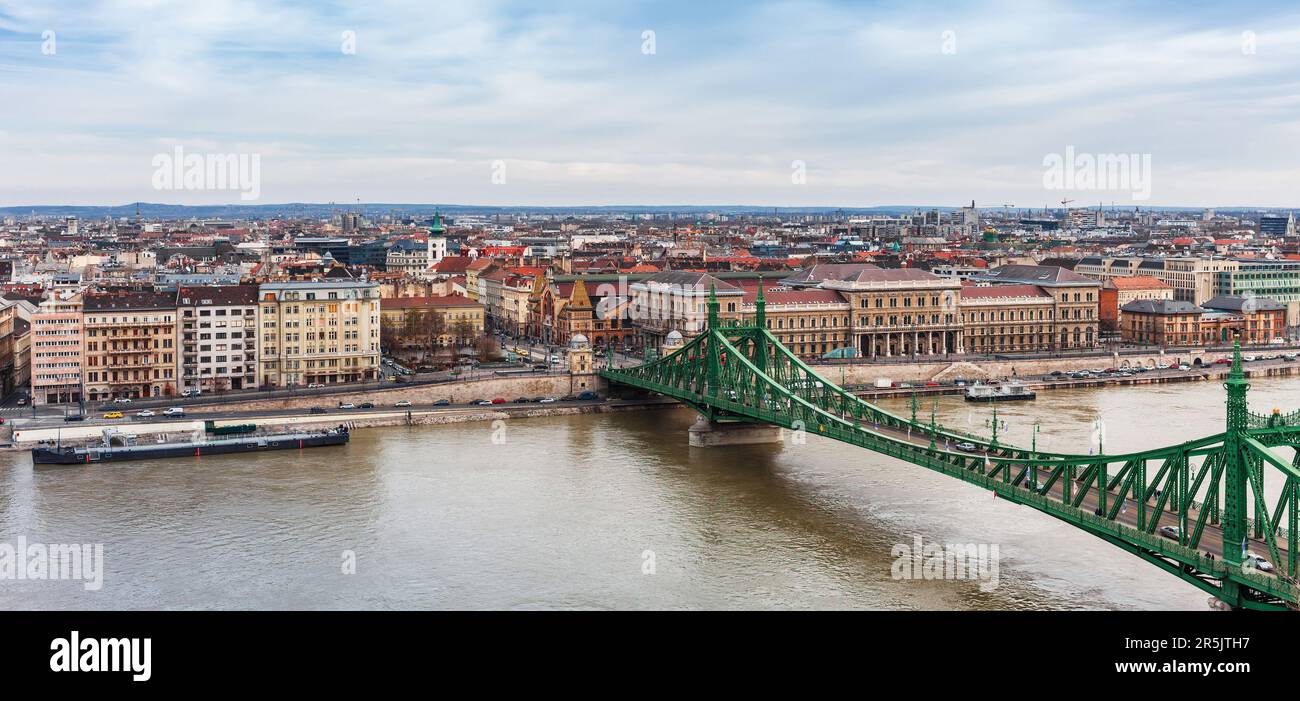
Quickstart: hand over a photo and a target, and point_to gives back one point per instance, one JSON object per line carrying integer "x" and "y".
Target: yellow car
{"x": 113, "y": 415}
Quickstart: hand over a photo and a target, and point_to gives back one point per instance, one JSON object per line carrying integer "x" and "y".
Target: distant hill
{"x": 317, "y": 210}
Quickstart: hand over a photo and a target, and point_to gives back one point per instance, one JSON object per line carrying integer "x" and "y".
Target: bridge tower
{"x": 1236, "y": 472}
{"x": 760, "y": 321}
{"x": 582, "y": 366}
{"x": 706, "y": 431}
{"x": 713, "y": 371}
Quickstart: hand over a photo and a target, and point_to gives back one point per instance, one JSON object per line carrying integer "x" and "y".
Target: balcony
{"x": 127, "y": 382}
{"x": 121, "y": 351}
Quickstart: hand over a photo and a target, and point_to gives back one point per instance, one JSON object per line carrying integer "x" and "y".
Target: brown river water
{"x": 608, "y": 511}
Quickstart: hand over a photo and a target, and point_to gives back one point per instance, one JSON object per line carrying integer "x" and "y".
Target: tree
{"x": 390, "y": 339}
{"x": 487, "y": 348}
{"x": 433, "y": 328}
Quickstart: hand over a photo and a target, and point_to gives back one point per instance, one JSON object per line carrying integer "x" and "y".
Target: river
{"x": 606, "y": 511}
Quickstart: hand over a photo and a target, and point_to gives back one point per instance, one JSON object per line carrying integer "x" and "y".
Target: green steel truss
{"x": 1193, "y": 509}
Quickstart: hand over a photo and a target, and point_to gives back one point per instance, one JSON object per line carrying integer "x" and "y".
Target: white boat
{"x": 1005, "y": 392}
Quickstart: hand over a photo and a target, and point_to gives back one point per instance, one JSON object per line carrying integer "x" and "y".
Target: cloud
{"x": 862, "y": 93}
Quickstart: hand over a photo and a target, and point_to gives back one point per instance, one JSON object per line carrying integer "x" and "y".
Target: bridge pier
{"x": 707, "y": 434}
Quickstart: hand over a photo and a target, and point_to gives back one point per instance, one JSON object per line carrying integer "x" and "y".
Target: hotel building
{"x": 318, "y": 332}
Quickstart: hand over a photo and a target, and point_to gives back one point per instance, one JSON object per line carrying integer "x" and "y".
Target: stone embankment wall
{"x": 508, "y": 388}
{"x": 868, "y": 373}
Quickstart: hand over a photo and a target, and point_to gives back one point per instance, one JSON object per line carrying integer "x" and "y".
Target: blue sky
{"x": 863, "y": 94}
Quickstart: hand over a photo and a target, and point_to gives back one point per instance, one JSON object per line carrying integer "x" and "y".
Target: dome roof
{"x": 579, "y": 341}
{"x": 674, "y": 335}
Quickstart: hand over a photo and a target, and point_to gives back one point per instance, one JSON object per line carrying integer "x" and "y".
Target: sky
{"x": 850, "y": 104}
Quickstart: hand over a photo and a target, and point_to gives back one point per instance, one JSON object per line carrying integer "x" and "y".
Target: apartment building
{"x": 318, "y": 332}
{"x": 130, "y": 345}
{"x": 1006, "y": 318}
{"x": 8, "y": 314}
{"x": 1161, "y": 322}
{"x": 1278, "y": 280}
{"x": 810, "y": 322}
{"x": 901, "y": 311}
{"x": 1255, "y": 320}
{"x": 421, "y": 322}
{"x": 218, "y": 337}
{"x": 1119, "y": 291}
{"x": 1194, "y": 279}
{"x": 56, "y": 351}
{"x": 666, "y": 302}
{"x": 1074, "y": 318}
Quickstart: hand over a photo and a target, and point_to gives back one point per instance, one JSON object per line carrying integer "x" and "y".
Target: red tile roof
{"x": 779, "y": 297}
{"x": 993, "y": 291}
{"x": 421, "y": 302}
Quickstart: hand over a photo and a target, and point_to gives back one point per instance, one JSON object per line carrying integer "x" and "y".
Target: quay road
{"x": 332, "y": 413}
{"x": 1098, "y": 377}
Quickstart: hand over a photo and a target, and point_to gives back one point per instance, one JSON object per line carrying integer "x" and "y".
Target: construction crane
{"x": 1006, "y": 207}
{"x": 1065, "y": 205}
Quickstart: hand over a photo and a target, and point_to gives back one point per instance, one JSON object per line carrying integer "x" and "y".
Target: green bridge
{"x": 1196, "y": 509}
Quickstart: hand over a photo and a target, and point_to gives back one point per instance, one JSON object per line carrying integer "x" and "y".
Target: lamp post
{"x": 994, "y": 424}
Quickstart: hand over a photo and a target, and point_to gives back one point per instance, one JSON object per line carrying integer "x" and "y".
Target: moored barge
{"x": 108, "y": 451}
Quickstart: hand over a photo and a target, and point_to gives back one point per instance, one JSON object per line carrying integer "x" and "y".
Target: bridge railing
{"x": 713, "y": 374}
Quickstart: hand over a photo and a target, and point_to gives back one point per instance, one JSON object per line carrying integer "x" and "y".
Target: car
{"x": 403, "y": 403}
{"x": 588, "y": 396}
{"x": 1223, "y": 361}
{"x": 482, "y": 402}
{"x": 122, "y": 400}
{"x": 1249, "y": 358}
{"x": 315, "y": 385}
{"x": 173, "y": 411}
{"x": 319, "y": 410}
{"x": 1126, "y": 373}
{"x": 144, "y": 414}
{"x": 1057, "y": 373}
{"x": 966, "y": 446}
{"x": 1289, "y": 357}
{"x": 1170, "y": 532}
{"x": 113, "y": 415}
{"x": 1259, "y": 563}
{"x": 442, "y": 402}
{"x": 190, "y": 393}
{"x": 347, "y": 405}
{"x": 366, "y": 405}
{"x": 569, "y": 398}
{"x": 521, "y": 400}
{"x": 22, "y": 401}
{"x": 75, "y": 417}
{"x": 555, "y": 359}
{"x": 932, "y": 384}
{"x": 1112, "y": 370}
{"x": 498, "y": 400}
{"x": 1184, "y": 367}
{"x": 547, "y": 400}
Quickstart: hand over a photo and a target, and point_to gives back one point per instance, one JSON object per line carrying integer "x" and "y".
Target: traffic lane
{"x": 344, "y": 413}
{"x": 1212, "y": 535}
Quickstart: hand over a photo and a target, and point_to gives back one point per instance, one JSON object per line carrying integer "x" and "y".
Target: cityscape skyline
{"x": 814, "y": 105}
